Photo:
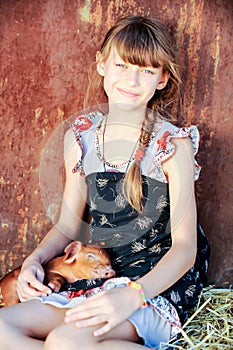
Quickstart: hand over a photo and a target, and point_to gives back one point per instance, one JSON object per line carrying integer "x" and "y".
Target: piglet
{"x": 79, "y": 262}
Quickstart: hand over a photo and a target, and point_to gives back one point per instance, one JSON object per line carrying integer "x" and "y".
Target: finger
{"x": 103, "y": 330}
{"x": 37, "y": 285}
{"x": 23, "y": 296}
{"x": 86, "y": 304}
{"x": 92, "y": 321}
{"x": 25, "y": 291}
{"x": 40, "y": 275}
{"x": 82, "y": 315}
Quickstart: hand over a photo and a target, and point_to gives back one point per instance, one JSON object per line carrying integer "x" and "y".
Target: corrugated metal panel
{"x": 46, "y": 47}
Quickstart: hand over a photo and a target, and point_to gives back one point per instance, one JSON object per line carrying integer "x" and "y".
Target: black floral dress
{"x": 136, "y": 242}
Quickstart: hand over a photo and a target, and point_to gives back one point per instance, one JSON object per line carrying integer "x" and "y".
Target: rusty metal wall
{"x": 46, "y": 47}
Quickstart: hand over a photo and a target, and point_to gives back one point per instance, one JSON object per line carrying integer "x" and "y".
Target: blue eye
{"x": 121, "y": 65}
{"x": 147, "y": 71}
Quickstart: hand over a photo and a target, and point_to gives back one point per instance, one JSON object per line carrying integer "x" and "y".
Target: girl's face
{"x": 129, "y": 84}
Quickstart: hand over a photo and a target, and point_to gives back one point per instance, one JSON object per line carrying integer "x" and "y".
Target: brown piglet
{"x": 79, "y": 262}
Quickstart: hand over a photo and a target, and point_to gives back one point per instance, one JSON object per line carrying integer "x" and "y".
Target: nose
{"x": 132, "y": 77}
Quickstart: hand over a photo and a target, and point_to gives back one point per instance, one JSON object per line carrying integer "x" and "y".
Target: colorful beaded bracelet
{"x": 140, "y": 290}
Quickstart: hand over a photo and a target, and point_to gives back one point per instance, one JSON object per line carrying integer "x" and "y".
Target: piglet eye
{"x": 91, "y": 256}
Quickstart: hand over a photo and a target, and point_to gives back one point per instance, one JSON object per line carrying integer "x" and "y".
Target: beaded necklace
{"x": 102, "y": 155}
{"x": 132, "y": 156}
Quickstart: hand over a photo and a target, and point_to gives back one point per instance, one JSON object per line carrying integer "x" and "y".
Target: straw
{"x": 210, "y": 325}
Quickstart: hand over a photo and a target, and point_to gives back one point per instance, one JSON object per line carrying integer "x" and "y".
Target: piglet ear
{"x": 72, "y": 251}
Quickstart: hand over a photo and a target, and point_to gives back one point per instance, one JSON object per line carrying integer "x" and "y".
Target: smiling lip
{"x": 127, "y": 93}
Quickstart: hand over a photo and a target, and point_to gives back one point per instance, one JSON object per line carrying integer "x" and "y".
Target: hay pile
{"x": 211, "y": 324}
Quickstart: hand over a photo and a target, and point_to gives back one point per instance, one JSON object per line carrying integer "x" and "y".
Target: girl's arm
{"x": 72, "y": 208}
{"x": 66, "y": 229}
{"x": 181, "y": 256}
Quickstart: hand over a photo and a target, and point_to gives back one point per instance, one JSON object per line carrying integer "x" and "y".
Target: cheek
{"x": 106, "y": 81}
{"x": 150, "y": 93}
{"x": 106, "y": 84}
{"x": 109, "y": 84}
{"x": 151, "y": 87}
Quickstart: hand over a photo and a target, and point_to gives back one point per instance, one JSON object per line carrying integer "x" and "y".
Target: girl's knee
{"x": 7, "y": 334}
{"x": 71, "y": 338}
{"x": 3, "y": 328}
{"x": 56, "y": 340}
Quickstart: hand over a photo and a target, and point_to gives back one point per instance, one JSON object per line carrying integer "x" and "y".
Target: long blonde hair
{"x": 144, "y": 42}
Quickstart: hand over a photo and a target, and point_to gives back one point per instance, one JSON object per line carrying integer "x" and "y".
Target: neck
{"x": 126, "y": 115}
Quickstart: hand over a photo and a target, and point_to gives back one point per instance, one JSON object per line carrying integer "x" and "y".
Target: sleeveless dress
{"x": 137, "y": 241}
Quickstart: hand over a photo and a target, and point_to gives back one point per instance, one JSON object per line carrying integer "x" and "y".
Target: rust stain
{"x": 38, "y": 112}
{"x": 192, "y": 15}
{"x": 4, "y": 226}
{"x": 20, "y": 197}
{"x": 3, "y": 254}
{"x": 85, "y": 11}
{"x": 3, "y": 82}
{"x": 53, "y": 44}
{"x": 182, "y": 21}
{"x": 22, "y": 230}
{"x": 2, "y": 181}
{"x": 91, "y": 12}
{"x": 22, "y": 212}
{"x": 97, "y": 15}
{"x": 60, "y": 113}
{"x": 119, "y": 8}
{"x": 216, "y": 53}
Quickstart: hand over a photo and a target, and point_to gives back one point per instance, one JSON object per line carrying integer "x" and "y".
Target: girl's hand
{"x": 108, "y": 307}
{"x": 30, "y": 281}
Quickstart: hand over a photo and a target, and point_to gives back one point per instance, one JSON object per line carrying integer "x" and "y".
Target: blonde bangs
{"x": 141, "y": 50}
{"x": 138, "y": 41}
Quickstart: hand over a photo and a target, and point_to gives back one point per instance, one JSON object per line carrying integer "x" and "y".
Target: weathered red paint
{"x": 46, "y": 48}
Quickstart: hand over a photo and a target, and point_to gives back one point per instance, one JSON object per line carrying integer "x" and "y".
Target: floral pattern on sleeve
{"x": 83, "y": 123}
{"x": 166, "y": 148}
{"x": 75, "y": 127}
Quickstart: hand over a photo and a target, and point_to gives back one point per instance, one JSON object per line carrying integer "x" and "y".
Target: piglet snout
{"x": 109, "y": 273}
{"x": 105, "y": 272}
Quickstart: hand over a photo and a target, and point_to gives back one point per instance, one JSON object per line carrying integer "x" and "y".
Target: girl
{"x": 137, "y": 171}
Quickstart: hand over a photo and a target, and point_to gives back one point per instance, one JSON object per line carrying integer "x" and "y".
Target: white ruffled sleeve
{"x": 166, "y": 148}
{"x": 76, "y": 130}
